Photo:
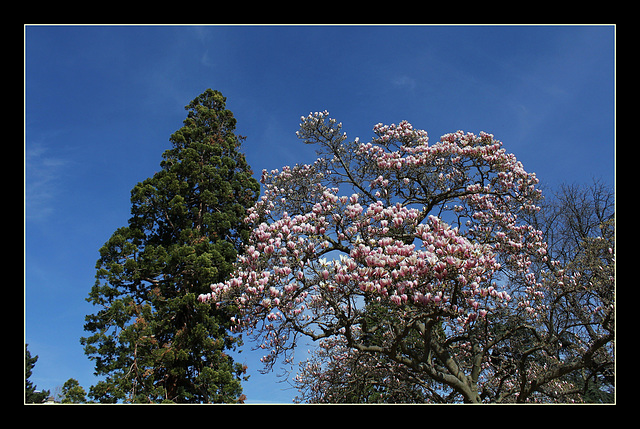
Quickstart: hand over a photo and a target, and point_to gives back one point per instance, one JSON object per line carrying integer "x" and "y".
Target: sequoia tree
{"x": 151, "y": 339}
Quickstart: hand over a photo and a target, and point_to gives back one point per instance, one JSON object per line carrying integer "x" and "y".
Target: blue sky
{"x": 101, "y": 103}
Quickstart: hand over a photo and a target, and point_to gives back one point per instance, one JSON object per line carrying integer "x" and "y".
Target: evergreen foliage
{"x": 151, "y": 339}
{"x": 31, "y": 395}
{"x": 72, "y": 392}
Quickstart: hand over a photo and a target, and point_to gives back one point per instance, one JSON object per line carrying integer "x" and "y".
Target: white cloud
{"x": 404, "y": 81}
{"x": 42, "y": 180}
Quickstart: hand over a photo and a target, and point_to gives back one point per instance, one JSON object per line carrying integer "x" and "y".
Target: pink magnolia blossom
{"x": 429, "y": 232}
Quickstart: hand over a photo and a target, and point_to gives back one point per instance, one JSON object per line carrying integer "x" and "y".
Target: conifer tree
{"x": 72, "y": 392}
{"x": 151, "y": 338}
{"x": 31, "y": 394}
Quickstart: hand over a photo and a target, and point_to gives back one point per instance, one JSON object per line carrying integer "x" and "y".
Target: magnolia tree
{"x": 411, "y": 262}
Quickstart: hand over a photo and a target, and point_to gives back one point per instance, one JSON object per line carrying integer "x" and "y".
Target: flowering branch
{"x": 395, "y": 248}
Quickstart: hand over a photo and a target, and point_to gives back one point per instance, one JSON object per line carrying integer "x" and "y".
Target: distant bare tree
{"x": 579, "y": 227}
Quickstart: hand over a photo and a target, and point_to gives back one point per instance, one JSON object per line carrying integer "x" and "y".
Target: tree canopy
{"x": 150, "y": 337}
{"x": 424, "y": 271}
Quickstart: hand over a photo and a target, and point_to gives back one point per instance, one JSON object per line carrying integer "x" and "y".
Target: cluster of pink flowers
{"x": 432, "y": 229}
{"x": 444, "y": 264}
